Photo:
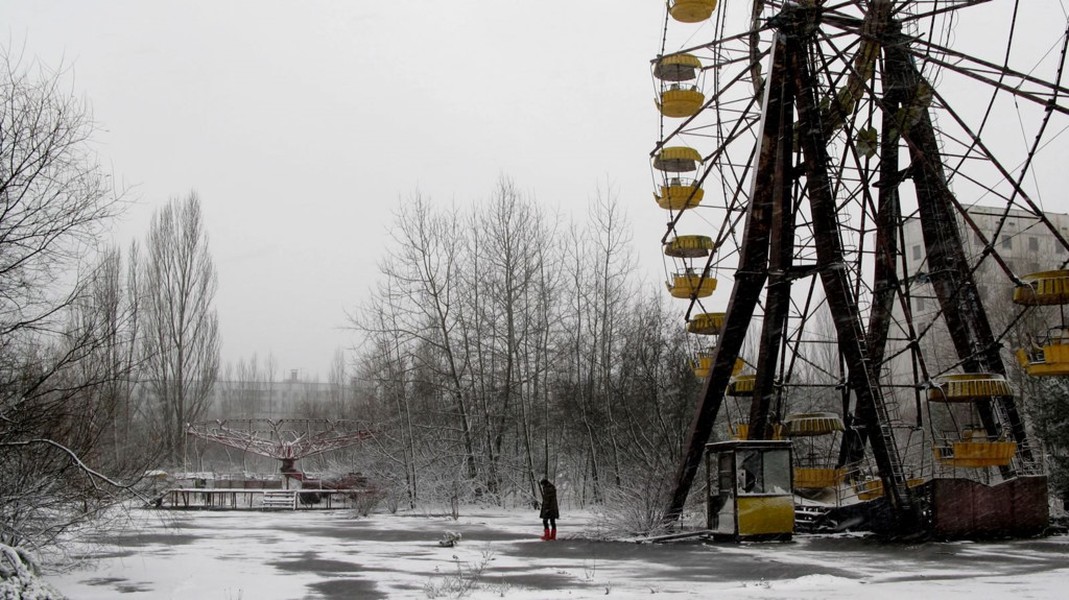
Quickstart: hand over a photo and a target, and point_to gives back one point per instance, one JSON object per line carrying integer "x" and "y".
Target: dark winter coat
{"x": 549, "y": 502}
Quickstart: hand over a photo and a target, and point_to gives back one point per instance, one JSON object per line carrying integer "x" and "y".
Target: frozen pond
{"x": 330, "y": 555}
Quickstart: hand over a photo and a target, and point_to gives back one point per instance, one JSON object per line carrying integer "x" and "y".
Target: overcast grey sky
{"x": 303, "y": 124}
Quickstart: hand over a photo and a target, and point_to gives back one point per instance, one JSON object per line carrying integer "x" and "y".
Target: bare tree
{"x": 384, "y": 367}
{"x": 249, "y": 388}
{"x": 270, "y": 375}
{"x": 114, "y": 303}
{"x": 420, "y": 368}
{"x": 340, "y": 393}
{"x": 59, "y": 416}
{"x": 181, "y": 344}
{"x": 613, "y": 263}
{"x": 426, "y": 269}
{"x": 490, "y": 362}
{"x": 56, "y": 312}
{"x": 599, "y": 266}
{"x": 513, "y": 302}
{"x": 54, "y": 198}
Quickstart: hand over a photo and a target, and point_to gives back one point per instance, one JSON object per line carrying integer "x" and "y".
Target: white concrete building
{"x": 1024, "y": 243}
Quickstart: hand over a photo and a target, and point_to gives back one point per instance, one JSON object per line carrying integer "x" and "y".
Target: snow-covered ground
{"x": 331, "y": 555}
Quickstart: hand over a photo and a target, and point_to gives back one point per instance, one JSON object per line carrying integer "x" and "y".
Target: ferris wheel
{"x": 851, "y": 186}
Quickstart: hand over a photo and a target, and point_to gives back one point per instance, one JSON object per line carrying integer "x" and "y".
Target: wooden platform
{"x": 256, "y": 499}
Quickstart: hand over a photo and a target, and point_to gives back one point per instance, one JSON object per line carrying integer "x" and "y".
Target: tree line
{"x": 104, "y": 355}
{"x": 504, "y": 343}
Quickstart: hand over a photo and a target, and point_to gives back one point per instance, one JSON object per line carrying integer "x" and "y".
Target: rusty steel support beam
{"x": 885, "y": 272}
{"x": 888, "y": 215}
{"x": 853, "y": 344}
{"x": 780, "y": 261}
{"x": 949, "y": 270}
{"x": 749, "y": 281}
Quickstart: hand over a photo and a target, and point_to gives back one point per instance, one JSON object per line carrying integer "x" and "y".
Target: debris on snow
{"x": 450, "y": 539}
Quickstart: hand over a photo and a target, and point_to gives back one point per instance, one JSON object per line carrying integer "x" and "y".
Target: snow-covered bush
{"x": 19, "y": 577}
{"x": 630, "y": 510}
{"x": 637, "y": 507}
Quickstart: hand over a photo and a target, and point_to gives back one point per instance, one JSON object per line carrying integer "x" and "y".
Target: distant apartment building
{"x": 1025, "y": 244}
{"x": 289, "y": 398}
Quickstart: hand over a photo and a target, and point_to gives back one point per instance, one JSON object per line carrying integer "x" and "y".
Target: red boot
{"x": 553, "y": 533}
{"x": 545, "y": 535}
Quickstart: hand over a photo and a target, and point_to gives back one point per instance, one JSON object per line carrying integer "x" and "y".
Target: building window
{"x": 1007, "y": 243}
{"x": 920, "y": 304}
{"x": 916, "y": 252}
{"x": 1033, "y": 244}
{"x": 1060, "y": 249}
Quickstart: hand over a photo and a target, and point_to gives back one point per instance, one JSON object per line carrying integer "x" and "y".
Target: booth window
{"x": 763, "y": 472}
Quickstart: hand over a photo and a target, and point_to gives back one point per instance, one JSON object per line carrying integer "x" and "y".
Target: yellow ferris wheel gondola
{"x": 983, "y": 453}
{"x": 680, "y": 76}
{"x": 742, "y": 385}
{"x": 677, "y": 191}
{"x": 703, "y": 363}
{"x": 1046, "y": 355}
{"x": 706, "y": 323}
{"x": 815, "y": 469}
{"x": 679, "y": 194}
{"x": 691, "y": 11}
{"x": 974, "y": 448}
{"x": 1049, "y": 356}
{"x": 969, "y": 387}
{"x": 677, "y": 159}
{"x": 813, "y": 424}
{"x": 689, "y": 246}
{"x": 1046, "y": 288}
{"x": 689, "y": 284}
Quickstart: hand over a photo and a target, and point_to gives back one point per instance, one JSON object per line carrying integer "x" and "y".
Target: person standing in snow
{"x": 549, "y": 512}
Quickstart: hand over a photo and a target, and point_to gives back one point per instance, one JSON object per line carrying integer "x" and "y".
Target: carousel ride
{"x": 289, "y": 440}
{"x": 801, "y": 144}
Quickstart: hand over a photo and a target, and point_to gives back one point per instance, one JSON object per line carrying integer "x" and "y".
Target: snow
{"x": 19, "y": 577}
{"x": 497, "y": 554}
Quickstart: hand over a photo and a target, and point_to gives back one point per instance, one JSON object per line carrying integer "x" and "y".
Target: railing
{"x": 256, "y": 499}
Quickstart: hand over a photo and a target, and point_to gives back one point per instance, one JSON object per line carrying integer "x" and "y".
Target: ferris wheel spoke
{"x": 1047, "y": 98}
{"x": 949, "y": 6}
{"x": 1006, "y": 176}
